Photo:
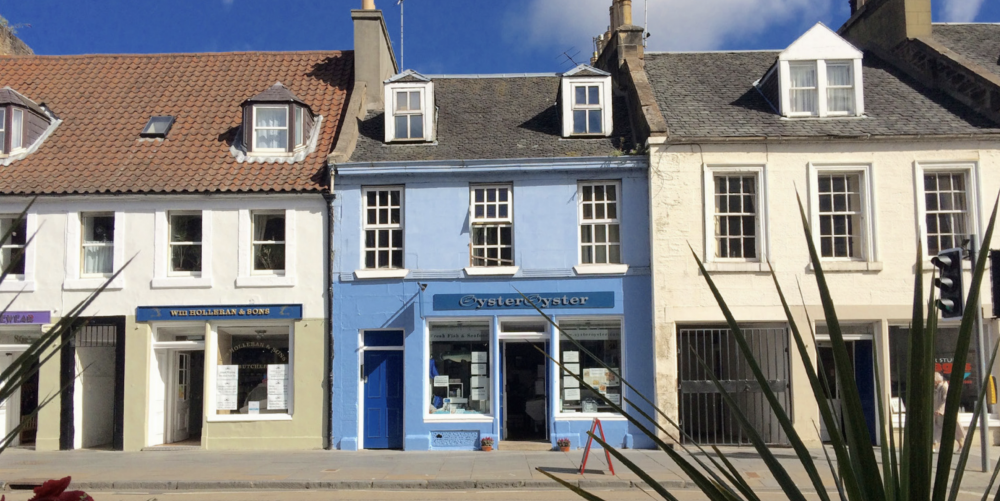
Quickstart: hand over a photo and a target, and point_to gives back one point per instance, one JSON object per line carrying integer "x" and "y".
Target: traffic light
{"x": 949, "y": 282}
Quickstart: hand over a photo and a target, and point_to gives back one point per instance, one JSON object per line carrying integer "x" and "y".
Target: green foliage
{"x": 907, "y": 473}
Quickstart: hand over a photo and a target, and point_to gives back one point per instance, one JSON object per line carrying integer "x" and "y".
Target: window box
{"x": 601, "y": 269}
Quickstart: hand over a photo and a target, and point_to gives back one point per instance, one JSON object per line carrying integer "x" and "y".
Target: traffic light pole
{"x": 981, "y": 355}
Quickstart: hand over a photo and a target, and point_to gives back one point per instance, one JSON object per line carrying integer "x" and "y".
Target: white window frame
{"x": 84, "y": 245}
{"x": 784, "y": 73}
{"x": 16, "y": 133}
{"x": 599, "y": 268}
{"x": 426, "y": 90}
{"x": 212, "y": 364}
{"x": 487, "y": 221}
{"x": 816, "y": 90}
{"x": 300, "y": 129}
{"x": 364, "y": 271}
{"x": 587, "y": 108}
{"x": 253, "y": 136}
{"x": 828, "y": 87}
{"x": 972, "y": 197}
{"x": 26, "y": 281}
{"x": 247, "y": 277}
{"x": 75, "y": 280}
{"x": 868, "y": 245}
{"x": 568, "y": 104}
{"x": 555, "y": 386}
{"x": 493, "y": 344}
{"x": 3, "y": 130}
{"x": 163, "y": 278}
{"x": 763, "y": 244}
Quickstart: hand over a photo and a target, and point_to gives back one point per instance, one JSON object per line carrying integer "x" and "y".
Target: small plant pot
{"x": 564, "y": 449}
{"x": 487, "y": 448}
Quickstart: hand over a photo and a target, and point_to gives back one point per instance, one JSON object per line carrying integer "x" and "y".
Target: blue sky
{"x": 442, "y": 36}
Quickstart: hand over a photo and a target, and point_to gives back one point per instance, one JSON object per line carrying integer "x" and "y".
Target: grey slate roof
{"x": 276, "y": 93}
{"x": 979, "y": 42}
{"x": 11, "y": 96}
{"x": 711, "y": 95}
{"x": 493, "y": 118}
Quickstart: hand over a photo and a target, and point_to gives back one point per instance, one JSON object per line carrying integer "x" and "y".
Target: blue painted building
{"x": 460, "y": 194}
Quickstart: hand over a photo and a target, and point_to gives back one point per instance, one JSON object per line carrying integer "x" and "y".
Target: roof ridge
{"x": 671, "y": 52}
{"x": 175, "y": 54}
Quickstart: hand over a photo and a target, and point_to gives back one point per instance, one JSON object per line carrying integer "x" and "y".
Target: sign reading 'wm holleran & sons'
{"x": 516, "y": 301}
{"x": 234, "y": 312}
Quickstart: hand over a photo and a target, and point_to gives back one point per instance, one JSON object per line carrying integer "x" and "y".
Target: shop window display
{"x": 603, "y": 339}
{"x": 459, "y": 368}
{"x": 944, "y": 354}
{"x": 253, "y": 375}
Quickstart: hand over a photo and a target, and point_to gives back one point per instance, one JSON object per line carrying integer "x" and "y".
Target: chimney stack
{"x": 886, "y": 25}
{"x": 374, "y": 60}
{"x": 10, "y": 45}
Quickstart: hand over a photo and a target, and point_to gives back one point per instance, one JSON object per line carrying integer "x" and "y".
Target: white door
{"x": 158, "y": 377}
{"x": 182, "y": 397}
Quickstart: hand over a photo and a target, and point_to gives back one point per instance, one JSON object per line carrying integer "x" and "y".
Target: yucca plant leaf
{"x": 740, "y": 482}
{"x": 786, "y": 424}
{"x": 862, "y": 453}
{"x": 952, "y": 402}
{"x": 963, "y": 458}
{"x": 833, "y": 470}
{"x": 579, "y": 492}
{"x": 788, "y": 486}
{"x": 653, "y": 484}
{"x": 888, "y": 453}
{"x": 993, "y": 479}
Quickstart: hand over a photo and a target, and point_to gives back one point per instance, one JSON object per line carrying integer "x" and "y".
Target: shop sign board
{"x": 227, "y": 312}
{"x": 25, "y": 317}
{"x": 544, "y": 300}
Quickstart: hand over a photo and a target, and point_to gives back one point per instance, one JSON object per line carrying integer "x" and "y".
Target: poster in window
{"x": 479, "y": 357}
{"x": 571, "y": 394}
{"x": 277, "y": 386}
{"x": 613, "y": 379}
{"x": 480, "y": 381}
{"x": 615, "y": 398}
{"x": 571, "y": 356}
{"x": 596, "y": 377}
{"x": 478, "y": 394}
{"x": 253, "y": 407}
{"x": 572, "y": 368}
{"x": 479, "y": 369}
{"x": 226, "y": 386}
{"x": 441, "y": 381}
{"x": 570, "y": 382}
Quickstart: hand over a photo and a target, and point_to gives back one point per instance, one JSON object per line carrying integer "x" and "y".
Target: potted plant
{"x": 563, "y": 444}
{"x": 486, "y": 444}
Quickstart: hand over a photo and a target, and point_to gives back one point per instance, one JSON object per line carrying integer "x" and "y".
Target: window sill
{"x": 12, "y": 285}
{"x": 89, "y": 284}
{"x": 738, "y": 267}
{"x": 847, "y": 266}
{"x": 270, "y": 153}
{"x": 580, "y": 416}
{"x": 436, "y": 418}
{"x": 233, "y": 418}
{"x": 600, "y": 269}
{"x": 383, "y": 273}
{"x": 181, "y": 283}
{"x": 475, "y": 271}
{"x": 265, "y": 281}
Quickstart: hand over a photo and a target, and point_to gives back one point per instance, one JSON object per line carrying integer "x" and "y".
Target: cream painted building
{"x": 884, "y": 156}
{"x": 211, "y": 204}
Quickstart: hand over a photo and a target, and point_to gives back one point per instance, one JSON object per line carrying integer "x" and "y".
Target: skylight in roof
{"x": 157, "y": 126}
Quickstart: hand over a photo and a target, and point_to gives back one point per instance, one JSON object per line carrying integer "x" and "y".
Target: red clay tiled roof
{"x": 105, "y": 100}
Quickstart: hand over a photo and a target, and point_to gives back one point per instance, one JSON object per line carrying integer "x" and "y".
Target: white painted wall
{"x": 678, "y": 216}
{"x": 94, "y": 396}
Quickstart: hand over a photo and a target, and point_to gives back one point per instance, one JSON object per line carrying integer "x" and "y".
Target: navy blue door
{"x": 383, "y": 399}
{"x": 864, "y": 376}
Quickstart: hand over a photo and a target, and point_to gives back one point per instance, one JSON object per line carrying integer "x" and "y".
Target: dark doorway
{"x": 861, "y": 355}
{"x": 524, "y": 404}
{"x": 29, "y": 401}
{"x": 197, "y": 394}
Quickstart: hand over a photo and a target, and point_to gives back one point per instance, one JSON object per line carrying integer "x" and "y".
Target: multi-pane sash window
{"x": 98, "y": 243}
{"x": 268, "y": 241}
{"x": 409, "y": 115}
{"x": 587, "y": 114}
{"x": 492, "y": 226}
{"x": 383, "y": 228}
{"x": 12, "y": 249}
{"x": 840, "y": 215}
{"x": 16, "y": 129}
{"x": 185, "y": 243}
{"x": 600, "y": 239}
{"x": 803, "y": 89}
{"x": 270, "y": 128}
{"x": 736, "y": 216}
{"x": 946, "y": 206}
{"x": 839, "y": 88}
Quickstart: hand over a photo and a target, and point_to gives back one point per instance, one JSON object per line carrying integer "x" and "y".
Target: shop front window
{"x": 944, "y": 356}
{"x": 254, "y": 371}
{"x": 459, "y": 368}
{"x": 603, "y": 340}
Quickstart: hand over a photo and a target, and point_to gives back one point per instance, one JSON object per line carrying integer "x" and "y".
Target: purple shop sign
{"x": 25, "y": 317}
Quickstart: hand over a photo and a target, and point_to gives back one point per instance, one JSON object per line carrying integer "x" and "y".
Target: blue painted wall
{"x": 436, "y": 232}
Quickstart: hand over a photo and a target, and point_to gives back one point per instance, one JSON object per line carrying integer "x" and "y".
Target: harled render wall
{"x": 881, "y": 296}
{"x": 47, "y": 263}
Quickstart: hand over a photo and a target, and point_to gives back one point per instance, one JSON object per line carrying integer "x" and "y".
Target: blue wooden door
{"x": 864, "y": 376}
{"x": 383, "y": 399}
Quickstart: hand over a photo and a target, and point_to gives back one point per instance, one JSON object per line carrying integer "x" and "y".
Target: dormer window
{"x": 276, "y": 123}
{"x": 804, "y": 97}
{"x": 409, "y": 102}
{"x": 585, "y": 102}
{"x": 24, "y": 125}
{"x": 839, "y": 87}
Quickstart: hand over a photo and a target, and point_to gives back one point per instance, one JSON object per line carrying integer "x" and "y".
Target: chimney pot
{"x": 367, "y": 4}
{"x": 627, "y": 12}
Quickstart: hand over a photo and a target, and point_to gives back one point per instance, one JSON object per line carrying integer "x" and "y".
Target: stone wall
{"x": 10, "y": 45}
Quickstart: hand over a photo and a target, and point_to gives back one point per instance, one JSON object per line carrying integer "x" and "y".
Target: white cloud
{"x": 961, "y": 11}
{"x": 673, "y": 24}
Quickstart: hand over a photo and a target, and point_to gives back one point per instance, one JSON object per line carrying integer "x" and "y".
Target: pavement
{"x": 178, "y": 471}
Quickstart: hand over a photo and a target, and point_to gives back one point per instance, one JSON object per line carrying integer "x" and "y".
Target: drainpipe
{"x": 329, "y": 348}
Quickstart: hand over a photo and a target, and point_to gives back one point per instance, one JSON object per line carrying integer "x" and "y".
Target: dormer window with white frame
{"x": 276, "y": 123}
{"x": 818, "y": 75}
{"x": 24, "y": 124}
{"x": 586, "y": 103}
{"x": 409, "y": 103}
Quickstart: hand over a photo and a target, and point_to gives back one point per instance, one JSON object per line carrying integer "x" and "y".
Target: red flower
{"x": 55, "y": 490}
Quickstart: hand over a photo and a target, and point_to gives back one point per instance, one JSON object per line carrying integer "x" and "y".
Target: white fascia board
{"x": 491, "y": 165}
{"x": 819, "y": 42}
